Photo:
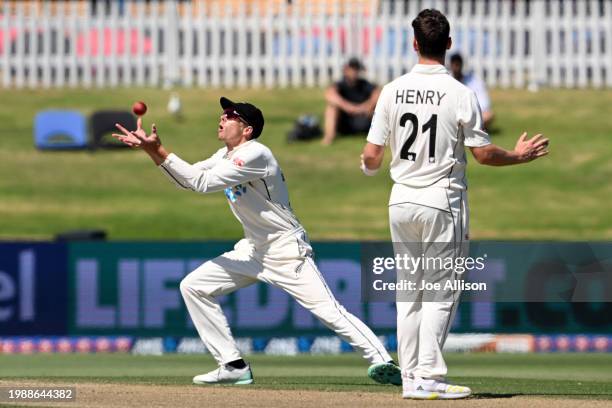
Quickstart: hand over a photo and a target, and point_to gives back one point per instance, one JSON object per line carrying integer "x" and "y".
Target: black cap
{"x": 356, "y": 64}
{"x": 250, "y": 113}
{"x": 456, "y": 57}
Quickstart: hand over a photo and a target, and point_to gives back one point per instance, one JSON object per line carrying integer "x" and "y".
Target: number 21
{"x": 430, "y": 125}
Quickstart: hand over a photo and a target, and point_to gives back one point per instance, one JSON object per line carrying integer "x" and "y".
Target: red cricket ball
{"x": 139, "y": 108}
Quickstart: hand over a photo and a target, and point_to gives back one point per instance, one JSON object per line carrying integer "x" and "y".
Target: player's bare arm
{"x": 525, "y": 151}
{"x": 372, "y": 158}
{"x": 138, "y": 138}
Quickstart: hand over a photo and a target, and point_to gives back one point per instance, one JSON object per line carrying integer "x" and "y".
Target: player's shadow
{"x": 490, "y": 395}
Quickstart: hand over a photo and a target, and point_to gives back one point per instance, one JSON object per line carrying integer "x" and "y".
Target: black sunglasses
{"x": 233, "y": 115}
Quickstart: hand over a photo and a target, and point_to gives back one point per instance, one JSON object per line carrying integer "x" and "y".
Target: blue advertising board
{"x": 132, "y": 288}
{"x": 33, "y": 288}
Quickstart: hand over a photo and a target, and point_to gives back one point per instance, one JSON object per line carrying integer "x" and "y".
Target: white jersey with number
{"x": 427, "y": 117}
{"x": 253, "y": 184}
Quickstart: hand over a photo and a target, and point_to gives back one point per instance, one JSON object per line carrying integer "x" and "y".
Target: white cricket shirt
{"x": 427, "y": 117}
{"x": 253, "y": 184}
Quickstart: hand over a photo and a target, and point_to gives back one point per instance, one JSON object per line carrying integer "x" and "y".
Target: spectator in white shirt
{"x": 476, "y": 84}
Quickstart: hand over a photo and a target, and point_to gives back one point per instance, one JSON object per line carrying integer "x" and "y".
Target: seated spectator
{"x": 350, "y": 103}
{"x": 475, "y": 84}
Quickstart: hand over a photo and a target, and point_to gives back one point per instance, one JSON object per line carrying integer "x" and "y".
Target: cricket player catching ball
{"x": 275, "y": 248}
{"x": 427, "y": 118}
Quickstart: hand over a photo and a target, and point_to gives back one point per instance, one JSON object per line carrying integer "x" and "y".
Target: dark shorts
{"x": 352, "y": 124}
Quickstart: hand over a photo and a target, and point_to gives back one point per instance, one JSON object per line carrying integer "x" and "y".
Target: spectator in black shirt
{"x": 350, "y": 103}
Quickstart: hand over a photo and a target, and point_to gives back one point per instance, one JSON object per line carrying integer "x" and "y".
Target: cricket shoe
{"x": 385, "y": 373}
{"x": 420, "y": 388}
{"x": 226, "y": 375}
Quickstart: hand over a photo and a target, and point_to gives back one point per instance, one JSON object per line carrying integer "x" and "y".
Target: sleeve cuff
{"x": 476, "y": 143}
{"x": 169, "y": 159}
{"x": 376, "y": 141}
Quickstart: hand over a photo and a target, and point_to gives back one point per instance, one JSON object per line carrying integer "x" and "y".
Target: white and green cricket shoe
{"x": 421, "y": 388}
{"x": 226, "y": 375}
{"x": 385, "y": 373}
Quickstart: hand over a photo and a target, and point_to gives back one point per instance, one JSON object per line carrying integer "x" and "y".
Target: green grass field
{"x": 489, "y": 375}
{"x": 563, "y": 197}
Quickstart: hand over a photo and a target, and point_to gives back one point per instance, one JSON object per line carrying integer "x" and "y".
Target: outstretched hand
{"x": 531, "y": 149}
{"x": 139, "y": 138}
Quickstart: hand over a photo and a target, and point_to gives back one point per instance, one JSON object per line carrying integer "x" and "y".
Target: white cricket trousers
{"x": 287, "y": 263}
{"x": 422, "y": 326}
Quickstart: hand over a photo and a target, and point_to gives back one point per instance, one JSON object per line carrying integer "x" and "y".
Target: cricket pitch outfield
{"x": 498, "y": 380}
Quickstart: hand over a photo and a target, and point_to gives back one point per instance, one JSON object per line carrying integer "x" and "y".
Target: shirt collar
{"x": 429, "y": 69}
{"x": 240, "y": 146}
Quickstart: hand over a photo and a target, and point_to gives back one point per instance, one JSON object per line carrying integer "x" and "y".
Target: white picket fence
{"x": 280, "y": 43}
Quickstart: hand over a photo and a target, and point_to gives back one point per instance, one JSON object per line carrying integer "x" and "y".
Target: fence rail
{"x": 280, "y": 43}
